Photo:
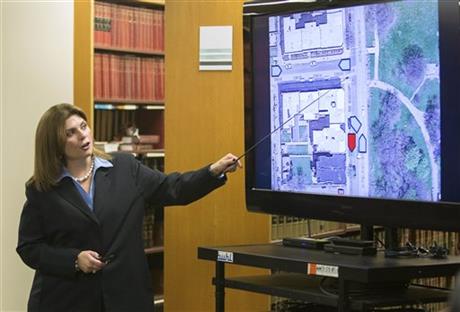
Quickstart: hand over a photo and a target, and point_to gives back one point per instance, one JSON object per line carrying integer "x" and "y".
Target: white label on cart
{"x": 225, "y": 256}
{"x": 323, "y": 270}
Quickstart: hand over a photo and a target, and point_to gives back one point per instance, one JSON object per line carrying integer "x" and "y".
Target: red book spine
{"x": 156, "y": 29}
{"x": 115, "y": 75}
{"x": 97, "y": 23}
{"x": 128, "y": 77}
{"x": 162, "y": 31}
{"x": 149, "y": 80}
{"x": 154, "y": 76}
{"x": 144, "y": 88}
{"x": 162, "y": 80}
{"x": 97, "y": 75}
{"x": 105, "y": 76}
{"x": 108, "y": 73}
{"x": 124, "y": 27}
{"x": 115, "y": 26}
{"x": 141, "y": 29}
{"x": 131, "y": 28}
{"x": 157, "y": 80}
{"x": 105, "y": 19}
{"x": 109, "y": 21}
{"x": 121, "y": 77}
{"x": 150, "y": 26}
{"x": 138, "y": 78}
{"x": 135, "y": 29}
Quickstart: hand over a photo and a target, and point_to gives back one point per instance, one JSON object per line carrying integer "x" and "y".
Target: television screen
{"x": 354, "y": 111}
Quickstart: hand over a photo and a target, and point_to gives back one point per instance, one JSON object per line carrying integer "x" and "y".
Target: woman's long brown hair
{"x": 50, "y": 139}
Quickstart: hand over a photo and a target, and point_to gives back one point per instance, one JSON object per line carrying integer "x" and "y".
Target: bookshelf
{"x": 119, "y": 83}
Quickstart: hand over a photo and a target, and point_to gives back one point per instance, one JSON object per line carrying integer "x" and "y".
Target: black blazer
{"x": 56, "y": 225}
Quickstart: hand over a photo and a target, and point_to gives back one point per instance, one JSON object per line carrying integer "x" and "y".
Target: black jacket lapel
{"x": 69, "y": 192}
{"x": 102, "y": 184}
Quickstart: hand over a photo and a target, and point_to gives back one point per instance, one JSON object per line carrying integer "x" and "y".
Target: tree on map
{"x": 380, "y": 16}
{"x": 432, "y": 121}
{"x": 397, "y": 176}
{"x": 384, "y": 18}
{"x": 390, "y": 109}
{"x": 401, "y": 176}
{"x": 412, "y": 64}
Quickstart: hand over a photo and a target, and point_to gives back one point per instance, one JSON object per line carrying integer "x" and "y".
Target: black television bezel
{"x": 442, "y": 216}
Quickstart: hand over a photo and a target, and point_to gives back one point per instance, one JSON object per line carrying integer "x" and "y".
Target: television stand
{"x": 305, "y": 268}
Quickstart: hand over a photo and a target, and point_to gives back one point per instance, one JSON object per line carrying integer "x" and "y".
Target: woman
{"x": 81, "y": 226}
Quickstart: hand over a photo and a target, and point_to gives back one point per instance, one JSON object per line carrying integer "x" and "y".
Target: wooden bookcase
{"x": 119, "y": 82}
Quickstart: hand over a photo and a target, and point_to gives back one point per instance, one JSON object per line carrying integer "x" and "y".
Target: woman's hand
{"x": 89, "y": 261}
{"x": 228, "y": 163}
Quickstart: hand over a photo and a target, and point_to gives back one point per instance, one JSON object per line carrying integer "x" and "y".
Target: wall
{"x": 36, "y": 72}
{"x": 204, "y": 121}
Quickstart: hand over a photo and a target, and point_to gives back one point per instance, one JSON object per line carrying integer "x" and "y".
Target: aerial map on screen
{"x": 358, "y": 92}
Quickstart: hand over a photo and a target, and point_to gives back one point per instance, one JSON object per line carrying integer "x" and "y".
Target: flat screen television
{"x": 352, "y": 111}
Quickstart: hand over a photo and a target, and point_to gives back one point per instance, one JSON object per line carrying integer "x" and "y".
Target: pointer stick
{"x": 269, "y": 134}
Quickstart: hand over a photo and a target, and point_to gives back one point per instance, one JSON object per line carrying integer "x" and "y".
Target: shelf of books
{"x": 128, "y": 98}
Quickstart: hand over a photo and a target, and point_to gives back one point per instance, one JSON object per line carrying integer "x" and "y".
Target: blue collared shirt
{"x": 87, "y": 197}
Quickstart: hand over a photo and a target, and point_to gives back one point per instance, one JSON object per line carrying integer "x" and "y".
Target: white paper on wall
{"x": 216, "y": 47}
